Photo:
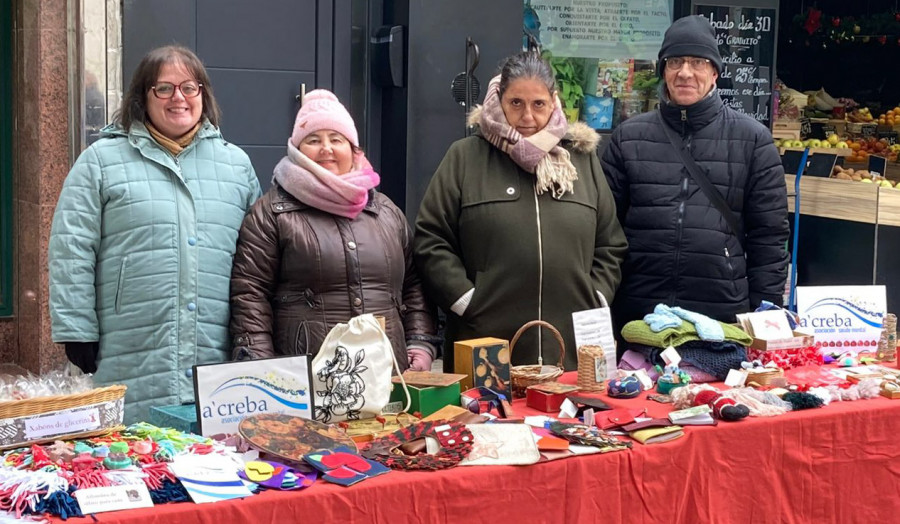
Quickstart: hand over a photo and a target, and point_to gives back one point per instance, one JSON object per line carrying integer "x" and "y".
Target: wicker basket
{"x": 529, "y": 375}
{"x": 763, "y": 378}
{"x": 592, "y": 374}
{"x": 15, "y": 414}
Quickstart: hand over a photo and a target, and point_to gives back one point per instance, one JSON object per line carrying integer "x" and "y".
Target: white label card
{"x": 60, "y": 423}
{"x": 670, "y": 356}
{"x": 113, "y": 498}
{"x": 735, "y": 378}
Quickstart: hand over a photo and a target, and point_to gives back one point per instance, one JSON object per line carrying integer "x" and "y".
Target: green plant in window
{"x": 645, "y": 82}
{"x": 569, "y": 73}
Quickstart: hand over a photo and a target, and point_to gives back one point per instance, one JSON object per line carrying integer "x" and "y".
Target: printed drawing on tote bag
{"x": 352, "y": 371}
{"x": 344, "y": 394}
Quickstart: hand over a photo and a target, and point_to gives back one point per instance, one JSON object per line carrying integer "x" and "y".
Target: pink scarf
{"x": 343, "y": 195}
{"x": 539, "y": 153}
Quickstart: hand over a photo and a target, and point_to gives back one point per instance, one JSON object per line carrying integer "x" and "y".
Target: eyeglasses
{"x": 188, "y": 88}
{"x": 677, "y": 62}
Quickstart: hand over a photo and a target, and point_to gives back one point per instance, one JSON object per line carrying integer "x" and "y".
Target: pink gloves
{"x": 419, "y": 359}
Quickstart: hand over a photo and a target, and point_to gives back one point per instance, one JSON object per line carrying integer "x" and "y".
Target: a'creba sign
{"x": 842, "y": 318}
{"x": 228, "y": 393}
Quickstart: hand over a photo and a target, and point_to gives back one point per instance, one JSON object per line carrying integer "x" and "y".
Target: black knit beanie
{"x": 690, "y": 36}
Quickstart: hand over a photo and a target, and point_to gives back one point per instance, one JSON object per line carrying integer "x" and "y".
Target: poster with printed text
{"x": 228, "y": 393}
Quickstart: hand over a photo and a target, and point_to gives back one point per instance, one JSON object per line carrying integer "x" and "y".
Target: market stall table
{"x": 840, "y": 463}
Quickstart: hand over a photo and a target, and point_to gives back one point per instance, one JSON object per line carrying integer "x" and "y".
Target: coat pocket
{"x": 309, "y": 337}
{"x": 120, "y": 284}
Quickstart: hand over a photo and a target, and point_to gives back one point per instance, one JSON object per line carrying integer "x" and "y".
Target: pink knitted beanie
{"x": 322, "y": 110}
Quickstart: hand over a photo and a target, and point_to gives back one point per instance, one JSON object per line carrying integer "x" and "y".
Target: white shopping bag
{"x": 352, "y": 371}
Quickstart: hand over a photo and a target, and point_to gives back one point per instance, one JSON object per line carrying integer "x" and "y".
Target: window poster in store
{"x": 602, "y": 29}
{"x": 228, "y": 393}
{"x": 746, "y": 38}
{"x": 842, "y": 318}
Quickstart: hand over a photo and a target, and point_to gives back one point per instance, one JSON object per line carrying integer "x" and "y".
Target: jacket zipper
{"x": 537, "y": 210}
{"x": 681, "y": 206}
{"x": 680, "y": 221}
{"x": 730, "y": 269}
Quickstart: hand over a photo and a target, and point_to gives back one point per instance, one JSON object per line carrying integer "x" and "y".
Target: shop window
{"x": 603, "y": 54}
{"x": 6, "y": 123}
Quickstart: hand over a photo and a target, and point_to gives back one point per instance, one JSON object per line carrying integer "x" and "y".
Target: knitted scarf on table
{"x": 539, "y": 153}
{"x": 343, "y": 195}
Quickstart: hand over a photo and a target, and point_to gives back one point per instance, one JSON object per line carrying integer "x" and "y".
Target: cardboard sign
{"x": 842, "y": 318}
{"x": 113, "y": 498}
{"x": 228, "y": 393}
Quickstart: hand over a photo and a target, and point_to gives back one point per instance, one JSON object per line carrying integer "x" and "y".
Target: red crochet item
{"x": 723, "y": 408}
{"x": 455, "y": 439}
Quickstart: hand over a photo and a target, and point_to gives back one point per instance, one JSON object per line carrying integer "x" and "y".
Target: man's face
{"x": 689, "y": 79}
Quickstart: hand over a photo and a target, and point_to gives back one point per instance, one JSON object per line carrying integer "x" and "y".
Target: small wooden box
{"x": 547, "y": 397}
{"x": 892, "y": 394}
{"x": 485, "y": 362}
{"x": 799, "y": 340}
{"x": 428, "y": 391}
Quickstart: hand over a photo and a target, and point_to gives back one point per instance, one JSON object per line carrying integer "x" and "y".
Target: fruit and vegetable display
{"x": 833, "y": 141}
{"x": 862, "y": 175}
{"x": 863, "y": 147}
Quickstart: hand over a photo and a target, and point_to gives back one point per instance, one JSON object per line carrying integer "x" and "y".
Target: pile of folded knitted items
{"x": 719, "y": 348}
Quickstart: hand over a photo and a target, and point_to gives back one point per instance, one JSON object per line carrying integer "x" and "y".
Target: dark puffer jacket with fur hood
{"x": 483, "y": 226}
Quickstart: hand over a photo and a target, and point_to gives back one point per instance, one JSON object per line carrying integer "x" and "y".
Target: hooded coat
{"x": 482, "y": 225}
{"x": 140, "y": 259}
{"x": 681, "y": 250}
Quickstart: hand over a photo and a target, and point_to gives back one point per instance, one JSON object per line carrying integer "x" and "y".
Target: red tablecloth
{"x": 840, "y": 463}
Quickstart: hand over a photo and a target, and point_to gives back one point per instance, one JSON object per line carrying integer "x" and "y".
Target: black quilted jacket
{"x": 682, "y": 251}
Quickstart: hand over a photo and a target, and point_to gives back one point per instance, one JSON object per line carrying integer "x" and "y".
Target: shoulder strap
{"x": 705, "y": 185}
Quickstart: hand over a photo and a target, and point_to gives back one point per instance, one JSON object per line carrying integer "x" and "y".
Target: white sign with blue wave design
{"x": 843, "y": 318}
{"x": 228, "y": 393}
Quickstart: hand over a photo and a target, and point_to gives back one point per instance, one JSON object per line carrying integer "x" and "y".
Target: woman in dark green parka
{"x": 518, "y": 222}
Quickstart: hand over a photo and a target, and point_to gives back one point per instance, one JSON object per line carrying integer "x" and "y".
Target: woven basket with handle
{"x": 529, "y": 375}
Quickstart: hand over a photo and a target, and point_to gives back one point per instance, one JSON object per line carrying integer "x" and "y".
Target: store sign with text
{"x": 843, "y": 318}
{"x": 603, "y": 29}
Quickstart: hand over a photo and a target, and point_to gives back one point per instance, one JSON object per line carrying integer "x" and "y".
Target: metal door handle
{"x": 302, "y": 94}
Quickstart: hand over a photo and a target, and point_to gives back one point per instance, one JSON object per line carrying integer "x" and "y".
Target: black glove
{"x": 83, "y": 355}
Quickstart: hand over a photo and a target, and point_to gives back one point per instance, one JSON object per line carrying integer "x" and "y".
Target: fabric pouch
{"x": 657, "y": 435}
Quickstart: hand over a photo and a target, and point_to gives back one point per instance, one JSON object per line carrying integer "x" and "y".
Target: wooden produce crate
{"x": 845, "y": 151}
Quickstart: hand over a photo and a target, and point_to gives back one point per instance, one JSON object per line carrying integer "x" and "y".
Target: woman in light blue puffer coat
{"x": 143, "y": 238}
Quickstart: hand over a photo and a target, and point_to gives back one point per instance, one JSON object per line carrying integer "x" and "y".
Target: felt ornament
{"x": 343, "y": 466}
{"x": 723, "y": 407}
{"x": 455, "y": 440}
{"x": 275, "y": 475}
{"x": 800, "y": 400}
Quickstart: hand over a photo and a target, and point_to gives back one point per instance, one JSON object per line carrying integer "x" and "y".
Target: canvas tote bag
{"x": 352, "y": 372}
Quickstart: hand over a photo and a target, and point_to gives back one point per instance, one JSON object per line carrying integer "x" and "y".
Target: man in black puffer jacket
{"x": 682, "y": 250}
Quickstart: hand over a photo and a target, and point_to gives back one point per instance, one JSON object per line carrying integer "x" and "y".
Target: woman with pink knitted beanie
{"x": 322, "y": 246}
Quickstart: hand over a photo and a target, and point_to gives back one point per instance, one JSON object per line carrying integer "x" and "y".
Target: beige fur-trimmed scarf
{"x": 539, "y": 153}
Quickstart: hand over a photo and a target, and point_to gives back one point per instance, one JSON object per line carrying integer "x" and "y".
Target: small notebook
{"x": 695, "y": 416}
{"x": 657, "y": 435}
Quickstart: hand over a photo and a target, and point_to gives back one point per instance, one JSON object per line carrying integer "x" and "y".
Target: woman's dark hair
{"x": 134, "y": 106}
{"x": 527, "y": 64}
